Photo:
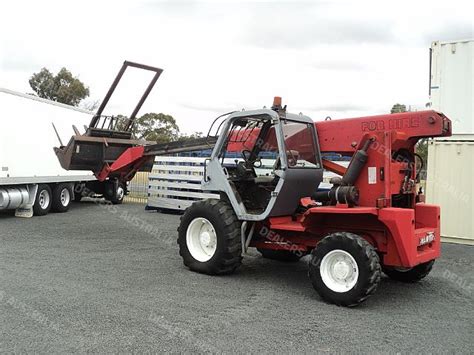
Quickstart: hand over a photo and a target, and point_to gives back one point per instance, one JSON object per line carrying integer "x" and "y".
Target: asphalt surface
{"x": 109, "y": 279}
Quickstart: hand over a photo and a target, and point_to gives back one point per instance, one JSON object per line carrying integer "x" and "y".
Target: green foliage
{"x": 62, "y": 87}
{"x": 397, "y": 108}
{"x": 187, "y": 137}
{"x": 422, "y": 150}
{"x": 156, "y": 127}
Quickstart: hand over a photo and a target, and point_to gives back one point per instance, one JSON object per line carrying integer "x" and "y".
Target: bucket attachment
{"x": 107, "y": 137}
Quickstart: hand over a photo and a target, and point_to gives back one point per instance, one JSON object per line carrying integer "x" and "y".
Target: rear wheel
{"x": 62, "y": 197}
{"x": 43, "y": 200}
{"x": 413, "y": 274}
{"x": 281, "y": 255}
{"x": 344, "y": 269}
{"x": 209, "y": 238}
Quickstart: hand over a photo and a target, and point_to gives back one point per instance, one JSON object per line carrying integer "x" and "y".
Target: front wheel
{"x": 413, "y": 274}
{"x": 209, "y": 238}
{"x": 344, "y": 269}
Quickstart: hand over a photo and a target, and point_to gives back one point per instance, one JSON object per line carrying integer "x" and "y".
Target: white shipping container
{"x": 450, "y": 184}
{"x": 452, "y": 82}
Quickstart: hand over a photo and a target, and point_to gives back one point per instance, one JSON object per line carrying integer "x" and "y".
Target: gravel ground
{"x": 109, "y": 278}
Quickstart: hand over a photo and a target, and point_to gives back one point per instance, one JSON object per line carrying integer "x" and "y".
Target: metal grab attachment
{"x": 95, "y": 120}
{"x": 106, "y": 140}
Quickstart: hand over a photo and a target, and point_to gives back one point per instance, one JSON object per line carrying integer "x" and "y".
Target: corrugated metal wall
{"x": 450, "y": 184}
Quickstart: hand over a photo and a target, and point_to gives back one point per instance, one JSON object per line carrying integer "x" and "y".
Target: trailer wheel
{"x": 413, "y": 274}
{"x": 344, "y": 269}
{"x": 62, "y": 197}
{"x": 209, "y": 238}
{"x": 43, "y": 200}
{"x": 281, "y": 255}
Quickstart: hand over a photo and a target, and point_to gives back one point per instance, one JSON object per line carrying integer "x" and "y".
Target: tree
{"x": 89, "y": 105}
{"x": 62, "y": 87}
{"x": 187, "y": 137}
{"x": 397, "y": 108}
{"x": 156, "y": 127}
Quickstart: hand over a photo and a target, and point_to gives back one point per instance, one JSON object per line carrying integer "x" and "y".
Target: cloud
{"x": 304, "y": 35}
{"x": 302, "y": 25}
{"x": 339, "y": 107}
{"x": 340, "y": 65}
{"x": 453, "y": 32}
{"x": 211, "y": 108}
{"x": 170, "y": 7}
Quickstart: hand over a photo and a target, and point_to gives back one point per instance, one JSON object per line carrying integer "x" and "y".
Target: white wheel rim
{"x": 65, "y": 197}
{"x": 44, "y": 199}
{"x": 201, "y": 239}
{"x": 120, "y": 193}
{"x": 339, "y": 271}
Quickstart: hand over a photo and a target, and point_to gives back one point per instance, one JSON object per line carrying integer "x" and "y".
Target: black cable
{"x": 421, "y": 167}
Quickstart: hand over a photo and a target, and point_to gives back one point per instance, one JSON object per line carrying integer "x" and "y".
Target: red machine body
{"x": 404, "y": 236}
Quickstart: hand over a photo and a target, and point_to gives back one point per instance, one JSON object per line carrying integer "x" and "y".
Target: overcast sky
{"x": 336, "y": 58}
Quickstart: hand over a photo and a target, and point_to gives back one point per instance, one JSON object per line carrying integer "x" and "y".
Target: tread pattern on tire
{"x": 370, "y": 258}
{"x": 415, "y": 274}
{"x": 226, "y": 259}
{"x": 37, "y": 210}
{"x": 56, "y": 205}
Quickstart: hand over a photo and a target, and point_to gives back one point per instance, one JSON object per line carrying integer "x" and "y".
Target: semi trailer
{"x": 32, "y": 182}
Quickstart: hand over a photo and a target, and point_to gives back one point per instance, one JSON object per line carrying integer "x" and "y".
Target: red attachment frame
{"x": 126, "y": 165}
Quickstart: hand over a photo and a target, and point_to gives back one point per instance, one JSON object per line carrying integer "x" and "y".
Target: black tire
{"x": 368, "y": 266}
{"x": 62, "y": 197}
{"x": 114, "y": 195}
{"x": 228, "y": 252}
{"x": 281, "y": 255}
{"x": 43, "y": 200}
{"x": 409, "y": 275}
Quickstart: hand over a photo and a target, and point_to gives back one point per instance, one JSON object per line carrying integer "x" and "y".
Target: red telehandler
{"x": 371, "y": 220}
